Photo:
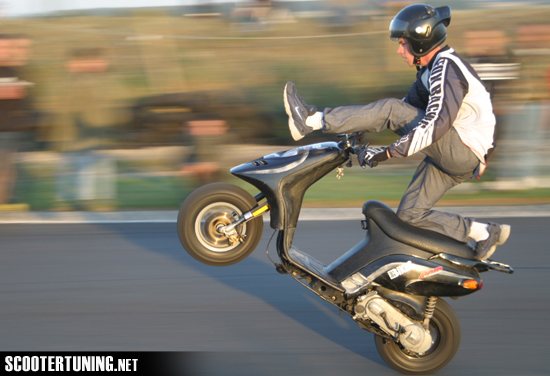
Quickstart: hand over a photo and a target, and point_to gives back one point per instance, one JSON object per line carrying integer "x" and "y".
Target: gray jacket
{"x": 452, "y": 94}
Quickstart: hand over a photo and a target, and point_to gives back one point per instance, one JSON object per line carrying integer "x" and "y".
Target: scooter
{"x": 390, "y": 283}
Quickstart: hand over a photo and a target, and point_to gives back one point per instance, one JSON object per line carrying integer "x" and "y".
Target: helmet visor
{"x": 398, "y": 29}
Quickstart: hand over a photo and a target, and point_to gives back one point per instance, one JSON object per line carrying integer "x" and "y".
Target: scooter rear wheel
{"x": 205, "y": 211}
{"x": 445, "y": 330}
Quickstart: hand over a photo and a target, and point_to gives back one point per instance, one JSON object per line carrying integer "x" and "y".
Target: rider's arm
{"x": 448, "y": 87}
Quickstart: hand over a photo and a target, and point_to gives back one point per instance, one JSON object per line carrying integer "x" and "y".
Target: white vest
{"x": 475, "y": 121}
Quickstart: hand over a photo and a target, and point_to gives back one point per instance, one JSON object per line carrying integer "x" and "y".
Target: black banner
{"x": 100, "y": 363}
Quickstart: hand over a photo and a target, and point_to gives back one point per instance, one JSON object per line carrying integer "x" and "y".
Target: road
{"x": 132, "y": 287}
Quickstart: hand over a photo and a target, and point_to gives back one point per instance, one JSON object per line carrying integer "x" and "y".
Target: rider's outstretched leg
{"x": 377, "y": 116}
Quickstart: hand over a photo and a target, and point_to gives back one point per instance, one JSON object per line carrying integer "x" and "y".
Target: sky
{"x": 23, "y": 7}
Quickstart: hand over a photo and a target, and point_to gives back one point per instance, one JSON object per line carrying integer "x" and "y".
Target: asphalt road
{"x": 132, "y": 287}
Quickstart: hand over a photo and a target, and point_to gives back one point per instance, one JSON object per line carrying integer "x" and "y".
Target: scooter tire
{"x": 447, "y": 340}
{"x": 209, "y": 207}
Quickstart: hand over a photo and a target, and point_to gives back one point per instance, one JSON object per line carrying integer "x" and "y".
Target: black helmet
{"x": 424, "y": 27}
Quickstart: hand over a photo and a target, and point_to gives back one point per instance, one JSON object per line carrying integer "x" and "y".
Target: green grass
{"x": 152, "y": 193}
{"x": 358, "y": 186}
{"x": 36, "y": 187}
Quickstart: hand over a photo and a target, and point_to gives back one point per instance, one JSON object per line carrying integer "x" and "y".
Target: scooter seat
{"x": 402, "y": 232}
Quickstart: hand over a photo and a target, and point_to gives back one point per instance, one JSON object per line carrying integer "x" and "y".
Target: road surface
{"x": 132, "y": 287}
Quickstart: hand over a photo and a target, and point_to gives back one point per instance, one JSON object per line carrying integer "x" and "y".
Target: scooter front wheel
{"x": 445, "y": 332}
{"x": 208, "y": 209}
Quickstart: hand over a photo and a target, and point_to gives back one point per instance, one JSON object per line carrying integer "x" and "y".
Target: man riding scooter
{"x": 447, "y": 115}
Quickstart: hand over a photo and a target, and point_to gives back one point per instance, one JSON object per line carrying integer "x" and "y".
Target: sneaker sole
{"x": 296, "y": 135}
{"x": 504, "y": 235}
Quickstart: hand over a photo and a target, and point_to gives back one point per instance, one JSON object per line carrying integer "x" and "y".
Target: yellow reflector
{"x": 260, "y": 210}
{"x": 472, "y": 284}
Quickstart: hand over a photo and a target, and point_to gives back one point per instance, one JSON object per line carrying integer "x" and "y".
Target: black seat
{"x": 402, "y": 232}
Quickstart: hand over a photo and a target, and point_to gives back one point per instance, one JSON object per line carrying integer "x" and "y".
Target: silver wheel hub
{"x": 211, "y": 220}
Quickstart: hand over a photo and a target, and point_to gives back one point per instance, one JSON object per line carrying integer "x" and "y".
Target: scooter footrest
{"x": 313, "y": 266}
{"x": 480, "y": 265}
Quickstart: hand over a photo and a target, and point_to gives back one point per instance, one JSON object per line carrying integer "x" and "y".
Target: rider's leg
{"x": 448, "y": 162}
{"x": 428, "y": 185}
{"x": 390, "y": 113}
{"x": 377, "y": 116}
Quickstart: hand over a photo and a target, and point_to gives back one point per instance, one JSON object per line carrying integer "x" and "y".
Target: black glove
{"x": 371, "y": 156}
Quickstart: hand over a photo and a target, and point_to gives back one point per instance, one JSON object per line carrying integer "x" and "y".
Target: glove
{"x": 371, "y": 156}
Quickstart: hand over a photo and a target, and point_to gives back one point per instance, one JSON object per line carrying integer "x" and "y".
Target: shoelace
{"x": 310, "y": 109}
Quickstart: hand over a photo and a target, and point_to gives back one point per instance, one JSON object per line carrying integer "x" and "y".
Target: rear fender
{"x": 416, "y": 276}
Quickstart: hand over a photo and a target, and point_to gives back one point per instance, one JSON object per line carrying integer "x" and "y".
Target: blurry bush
{"x": 221, "y": 62}
{"x": 203, "y": 64}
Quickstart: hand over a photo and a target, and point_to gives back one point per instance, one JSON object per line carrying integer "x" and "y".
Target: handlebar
{"x": 351, "y": 141}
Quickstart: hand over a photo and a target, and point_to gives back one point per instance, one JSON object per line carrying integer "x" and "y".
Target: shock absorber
{"x": 430, "y": 308}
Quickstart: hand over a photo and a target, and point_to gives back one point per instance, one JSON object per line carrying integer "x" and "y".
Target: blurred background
{"x": 132, "y": 105}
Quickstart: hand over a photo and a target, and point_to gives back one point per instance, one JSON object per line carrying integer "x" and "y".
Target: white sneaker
{"x": 298, "y": 111}
{"x": 498, "y": 235}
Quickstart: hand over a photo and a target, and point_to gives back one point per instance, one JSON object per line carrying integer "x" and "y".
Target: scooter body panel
{"x": 284, "y": 177}
{"x": 412, "y": 275}
{"x": 402, "y": 268}
{"x": 374, "y": 245}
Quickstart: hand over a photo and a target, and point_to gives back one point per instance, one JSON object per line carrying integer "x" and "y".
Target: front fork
{"x": 230, "y": 230}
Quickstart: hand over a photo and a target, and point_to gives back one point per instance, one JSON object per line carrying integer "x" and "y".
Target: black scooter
{"x": 390, "y": 283}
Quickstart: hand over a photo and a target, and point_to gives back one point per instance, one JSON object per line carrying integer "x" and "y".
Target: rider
{"x": 447, "y": 115}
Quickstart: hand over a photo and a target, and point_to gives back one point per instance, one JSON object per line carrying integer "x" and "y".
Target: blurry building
{"x": 522, "y": 129}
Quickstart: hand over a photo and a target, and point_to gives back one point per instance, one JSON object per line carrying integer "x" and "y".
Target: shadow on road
{"x": 258, "y": 278}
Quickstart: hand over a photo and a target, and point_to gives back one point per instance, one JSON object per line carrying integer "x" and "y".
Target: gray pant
{"x": 448, "y": 162}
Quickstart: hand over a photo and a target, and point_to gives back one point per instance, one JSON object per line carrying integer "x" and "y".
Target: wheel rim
{"x": 436, "y": 337}
{"x": 210, "y": 219}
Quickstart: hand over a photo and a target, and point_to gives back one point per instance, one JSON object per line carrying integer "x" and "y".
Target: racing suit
{"x": 448, "y": 116}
